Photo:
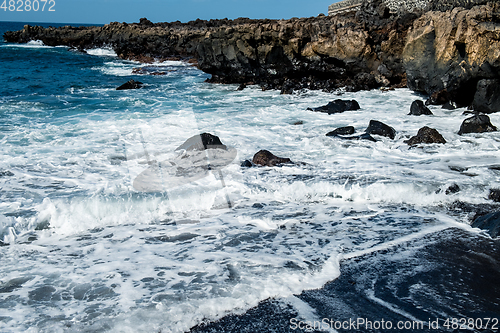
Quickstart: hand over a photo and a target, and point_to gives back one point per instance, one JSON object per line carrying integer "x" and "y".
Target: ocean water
{"x": 84, "y": 250}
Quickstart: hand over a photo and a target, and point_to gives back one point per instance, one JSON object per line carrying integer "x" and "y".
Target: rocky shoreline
{"x": 451, "y": 53}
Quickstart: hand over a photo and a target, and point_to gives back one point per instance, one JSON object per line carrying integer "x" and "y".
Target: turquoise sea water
{"x": 83, "y": 250}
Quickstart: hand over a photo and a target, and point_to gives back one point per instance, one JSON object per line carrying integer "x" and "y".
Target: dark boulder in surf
{"x": 426, "y": 135}
{"x": 337, "y": 106}
{"x": 478, "y": 123}
{"x": 132, "y": 84}
{"x": 266, "y": 158}
{"x": 418, "y": 108}
{"x": 347, "y": 130}
{"x": 201, "y": 142}
{"x": 487, "y": 97}
{"x": 379, "y": 128}
{"x": 494, "y": 195}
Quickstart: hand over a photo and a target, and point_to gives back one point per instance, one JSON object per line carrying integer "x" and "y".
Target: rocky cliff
{"x": 455, "y": 50}
{"x": 452, "y": 50}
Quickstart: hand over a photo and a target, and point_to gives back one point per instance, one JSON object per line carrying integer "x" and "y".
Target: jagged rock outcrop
{"x": 436, "y": 51}
{"x": 453, "y": 50}
{"x": 356, "y": 51}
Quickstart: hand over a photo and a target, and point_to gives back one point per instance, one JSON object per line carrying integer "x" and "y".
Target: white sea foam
{"x": 102, "y": 52}
{"x": 33, "y": 44}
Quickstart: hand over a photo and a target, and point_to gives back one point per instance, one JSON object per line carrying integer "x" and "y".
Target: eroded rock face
{"x": 426, "y": 135}
{"x": 356, "y": 51}
{"x": 453, "y": 50}
{"x": 477, "y": 124}
{"x": 266, "y": 158}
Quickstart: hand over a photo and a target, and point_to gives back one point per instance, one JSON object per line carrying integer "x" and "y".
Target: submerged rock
{"x": 266, "y": 158}
{"x": 494, "y": 195}
{"x": 337, "y": 106}
{"x": 201, "y": 142}
{"x": 487, "y": 97}
{"x": 347, "y": 130}
{"x": 132, "y": 84}
{"x": 418, "y": 108}
{"x": 489, "y": 222}
{"x": 452, "y": 189}
{"x": 246, "y": 164}
{"x": 426, "y": 135}
{"x": 6, "y": 173}
{"x": 477, "y": 124}
{"x": 364, "y": 136}
{"x": 379, "y": 128}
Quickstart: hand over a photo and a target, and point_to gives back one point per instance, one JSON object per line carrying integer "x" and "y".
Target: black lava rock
{"x": 487, "y": 97}
{"x": 494, "y": 195}
{"x": 347, "y": 130}
{"x": 246, "y": 164}
{"x": 418, "y": 108}
{"x": 477, "y": 124}
{"x": 337, "y": 106}
{"x": 6, "y": 173}
{"x": 452, "y": 189}
{"x": 132, "y": 84}
{"x": 266, "y": 158}
{"x": 201, "y": 142}
{"x": 426, "y": 135}
{"x": 379, "y": 128}
{"x": 489, "y": 222}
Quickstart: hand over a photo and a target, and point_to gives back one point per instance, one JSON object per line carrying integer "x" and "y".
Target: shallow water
{"x": 85, "y": 251}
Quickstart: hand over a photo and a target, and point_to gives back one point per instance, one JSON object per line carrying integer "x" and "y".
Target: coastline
{"x": 431, "y": 52}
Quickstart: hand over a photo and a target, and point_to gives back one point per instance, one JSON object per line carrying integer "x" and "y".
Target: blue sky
{"x": 105, "y": 11}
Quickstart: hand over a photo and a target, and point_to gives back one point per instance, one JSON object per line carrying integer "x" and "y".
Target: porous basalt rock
{"x": 426, "y": 135}
{"x": 266, "y": 158}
